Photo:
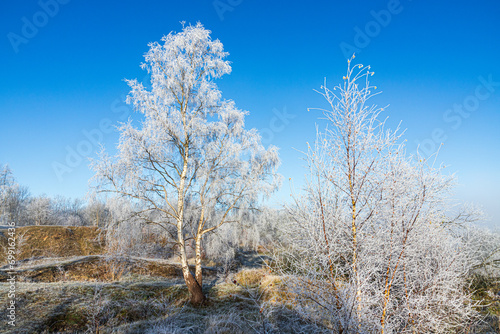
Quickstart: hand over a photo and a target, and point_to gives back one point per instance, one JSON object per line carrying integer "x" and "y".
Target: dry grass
{"x": 94, "y": 268}
{"x": 70, "y": 306}
{"x": 54, "y": 241}
{"x": 250, "y": 278}
{"x": 142, "y": 304}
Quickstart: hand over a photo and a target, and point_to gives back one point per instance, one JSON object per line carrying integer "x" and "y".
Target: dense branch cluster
{"x": 368, "y": 251}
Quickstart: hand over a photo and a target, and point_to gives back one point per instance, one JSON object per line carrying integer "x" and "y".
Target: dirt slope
{"x": 53, "y": 241}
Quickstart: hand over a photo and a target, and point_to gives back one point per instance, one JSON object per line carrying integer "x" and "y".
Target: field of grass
{"x": 91, "y": 292}
{"x": 135, "y": 303}
{"x": 67, "y": 284}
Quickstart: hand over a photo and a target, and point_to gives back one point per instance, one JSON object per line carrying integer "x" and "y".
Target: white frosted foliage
{"x": 191, "y": 145}
{"x": 370, "y": 249}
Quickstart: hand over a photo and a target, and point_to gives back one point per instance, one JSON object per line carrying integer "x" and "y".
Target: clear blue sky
{"x": 437, "y": 63}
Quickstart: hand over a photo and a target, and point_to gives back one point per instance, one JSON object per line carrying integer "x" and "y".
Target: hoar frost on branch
{"x": 367, "y": 250}
{"x": 191, "y": 148}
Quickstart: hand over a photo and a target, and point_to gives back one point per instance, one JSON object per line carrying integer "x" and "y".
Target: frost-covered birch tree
{"x": 191, "y": 147}
{"x": 367, "y": 251}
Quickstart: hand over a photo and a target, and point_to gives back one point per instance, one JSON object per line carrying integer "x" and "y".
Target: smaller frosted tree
{"x": 367, "y": 251}
{"x": 191, "y": 148}
{"x": 40, "y": 211}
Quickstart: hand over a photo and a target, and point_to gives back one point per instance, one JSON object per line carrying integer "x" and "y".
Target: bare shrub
{"x": 483, "y": 247}
{"x": 128, "y": 236}
{"x": 221, "y": 246}
{"x": 367, "y": 249}
{"x": 98, "y": 311}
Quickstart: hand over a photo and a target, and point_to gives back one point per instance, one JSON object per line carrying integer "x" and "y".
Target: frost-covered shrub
{"x": 128, "y": 236}
{"x": 367, "y": 250}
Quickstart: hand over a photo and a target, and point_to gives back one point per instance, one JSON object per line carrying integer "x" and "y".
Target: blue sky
{"x": 63, "y": 64}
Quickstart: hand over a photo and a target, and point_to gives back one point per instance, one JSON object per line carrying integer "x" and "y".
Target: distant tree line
{"x": 18, "y": 205}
